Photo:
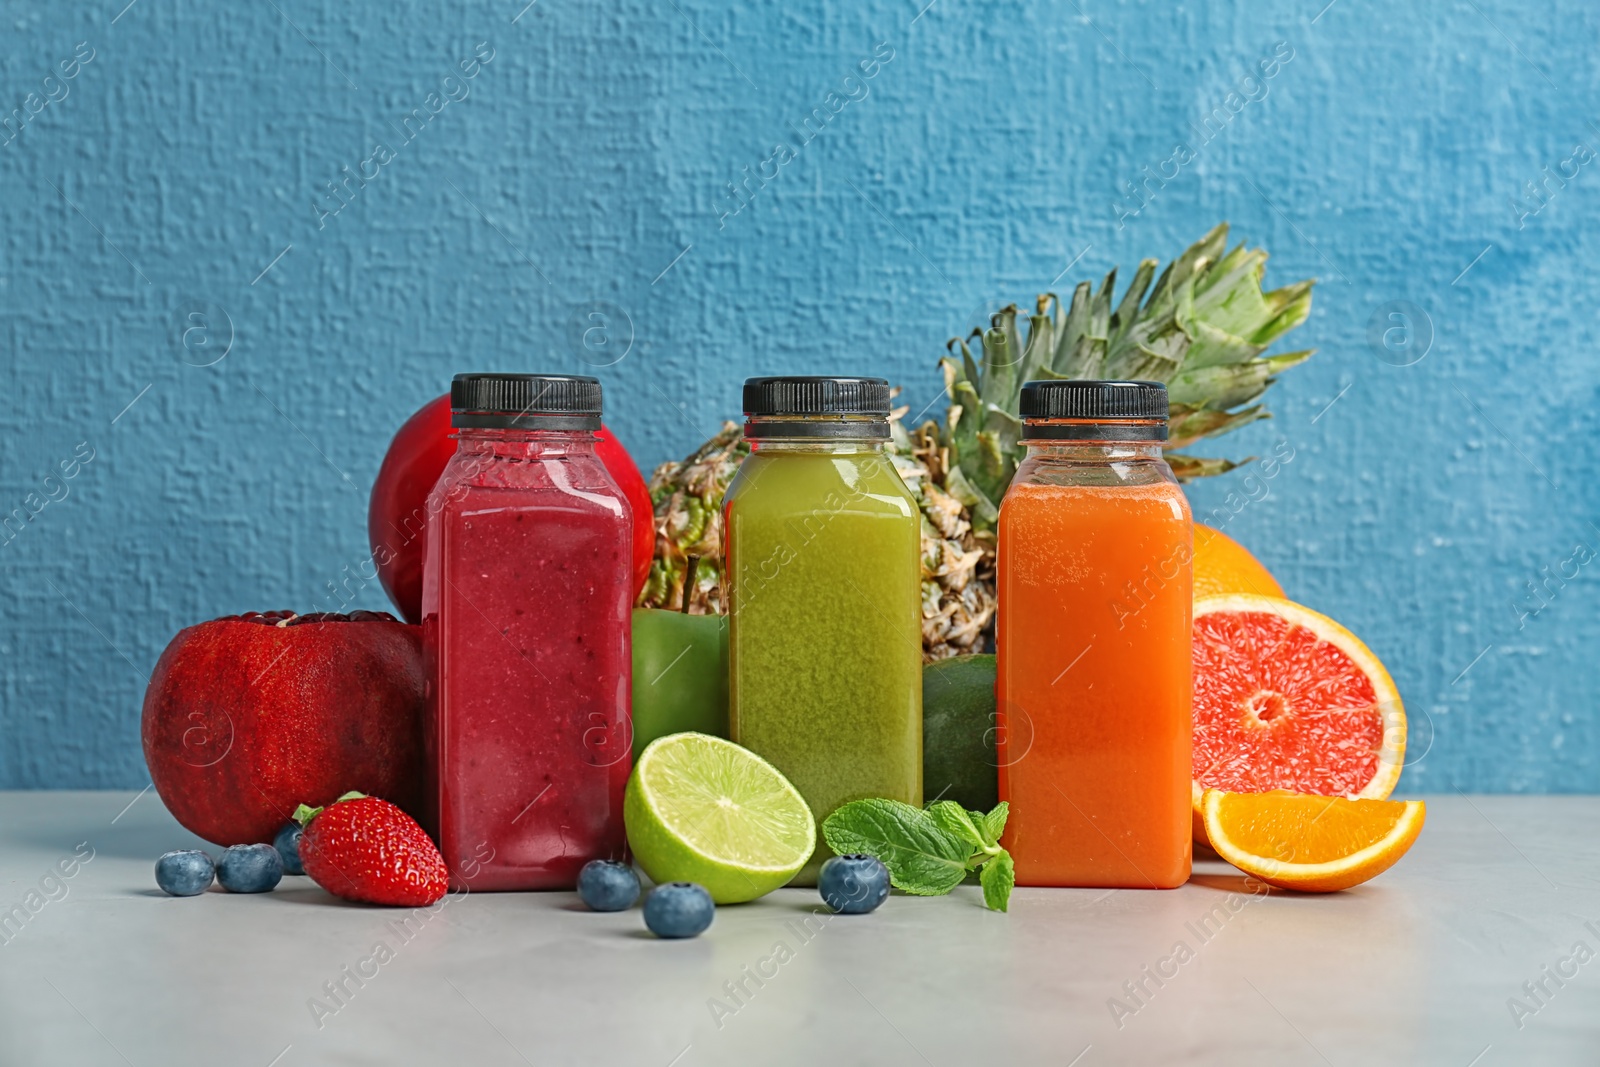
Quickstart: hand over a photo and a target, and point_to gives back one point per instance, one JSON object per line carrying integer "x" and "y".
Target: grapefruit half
{"x": 1286, "y": 698}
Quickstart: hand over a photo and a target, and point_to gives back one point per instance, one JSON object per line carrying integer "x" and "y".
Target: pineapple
{"x": 688, "y": 499}
{"x": 1201, "y": 329}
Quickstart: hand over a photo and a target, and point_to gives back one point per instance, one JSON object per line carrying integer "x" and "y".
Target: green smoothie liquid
{"x": 825, "y": 645}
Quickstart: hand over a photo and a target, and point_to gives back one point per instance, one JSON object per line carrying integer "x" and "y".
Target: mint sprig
{"x": 928, "y": 851}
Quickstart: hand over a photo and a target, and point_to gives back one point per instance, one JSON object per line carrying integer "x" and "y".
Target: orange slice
{"x": 1223, "y": 565}
{"x": 1310, "y": 843}
{"x": 1286, "y": 698}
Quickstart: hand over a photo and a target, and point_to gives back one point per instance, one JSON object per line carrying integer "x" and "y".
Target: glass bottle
{"x": 1093, "y": 641}
{"x": 824, "y": 571}
{"x": 527, "y": 594}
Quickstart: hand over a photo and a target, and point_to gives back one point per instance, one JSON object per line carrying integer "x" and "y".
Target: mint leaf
{"x": 955, "y": 820}
{"x": 992, "y": 825}
{"x": 997, "y": 878}
{"x": 923, "y": 858}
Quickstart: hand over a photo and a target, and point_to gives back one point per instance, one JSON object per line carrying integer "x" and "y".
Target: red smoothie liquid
{"x": 527, "y": 599}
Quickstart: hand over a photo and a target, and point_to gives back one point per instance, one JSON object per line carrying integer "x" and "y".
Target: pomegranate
{"x": 248, "y": 716}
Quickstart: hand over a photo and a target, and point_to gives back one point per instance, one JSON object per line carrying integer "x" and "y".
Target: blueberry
{"x": 249, "y": 868}
{"x": 184, "y": 873}
{"x": 607, "y": 885}
{"x": 853, "y": 885}
{"x": 288, "y": 845}
{"x": 678, "y": 909}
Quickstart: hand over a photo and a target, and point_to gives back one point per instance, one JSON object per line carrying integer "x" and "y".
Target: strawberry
{"x": 365, "y": 849}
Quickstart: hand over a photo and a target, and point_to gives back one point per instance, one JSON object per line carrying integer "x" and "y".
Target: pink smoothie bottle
{"x": 526, "y": 604}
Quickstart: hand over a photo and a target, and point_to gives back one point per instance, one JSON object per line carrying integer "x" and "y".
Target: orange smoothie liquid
{"x": 1094, "y": 684}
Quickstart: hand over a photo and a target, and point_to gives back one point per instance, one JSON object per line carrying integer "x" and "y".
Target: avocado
{"x": 958, "y": 731}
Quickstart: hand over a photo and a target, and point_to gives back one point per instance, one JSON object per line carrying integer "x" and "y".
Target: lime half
{"x": 701, "y": 809}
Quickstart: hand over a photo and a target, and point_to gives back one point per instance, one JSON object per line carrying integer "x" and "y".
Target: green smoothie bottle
{"x": 825, "y": 608}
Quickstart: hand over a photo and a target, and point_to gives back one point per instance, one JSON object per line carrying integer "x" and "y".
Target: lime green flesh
{"x": 701, "y": 809}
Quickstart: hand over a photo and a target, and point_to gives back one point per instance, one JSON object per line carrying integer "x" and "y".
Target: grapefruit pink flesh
{"x": 1285, "y": 698}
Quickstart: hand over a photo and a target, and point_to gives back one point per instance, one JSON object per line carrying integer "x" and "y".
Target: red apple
{"x": 626, "y": 473}
{"x": 397, "y": 512}
{"x": 248, "y": 716}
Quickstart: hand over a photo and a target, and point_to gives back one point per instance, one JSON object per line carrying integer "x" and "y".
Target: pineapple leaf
{"x": 899, "y": 436}
{"x": 1041, "y": 343}
{"x": 1193, "y": 260}
{"x": 1100, "y": 308}
{"x": 1087, "y": 324}
{"x": 1284, "y": 360}
{"x": 1162, "y": 332}
{"x": 1188, "y": 468}
{"x": 964, "y": 418}
{"x": 1234, "y": 302}
{"x": 1189, "y": 425}
{"x": 1127, "y": 313}
{"x": 1154, "y": 349}
{"x": 1222, "y": 386}
{"x": 1047, "y": 375}
{"x": 1290, "y": 306}
{"x": 1006, "y": 427}
{"x": 984, "y": 511}
{"x": 1002, "y": 352}
{"x": 1157, "y": 361}
{"x": 961, "y": 432}
{"x": 969, "y": 367}
{"x": 994, "y": 466}
{"x": 953, "y": 371}
{"x": 1071, "y": 332}
{"x": 1213, "y": 346}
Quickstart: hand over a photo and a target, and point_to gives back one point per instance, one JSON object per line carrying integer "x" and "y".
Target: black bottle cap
{"x": 1082, "y": 409}
{"x": 525, "y": 402}
{"x": 803, "y": 406}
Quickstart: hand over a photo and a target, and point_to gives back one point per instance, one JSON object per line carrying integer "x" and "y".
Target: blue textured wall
{"x": 185, "y": 169}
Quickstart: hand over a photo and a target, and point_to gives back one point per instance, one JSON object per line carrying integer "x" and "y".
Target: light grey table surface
{"x": 1416, "y": 967}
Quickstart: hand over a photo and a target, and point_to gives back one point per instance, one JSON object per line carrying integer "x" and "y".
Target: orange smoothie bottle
{"x": 1094, "y": 688}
